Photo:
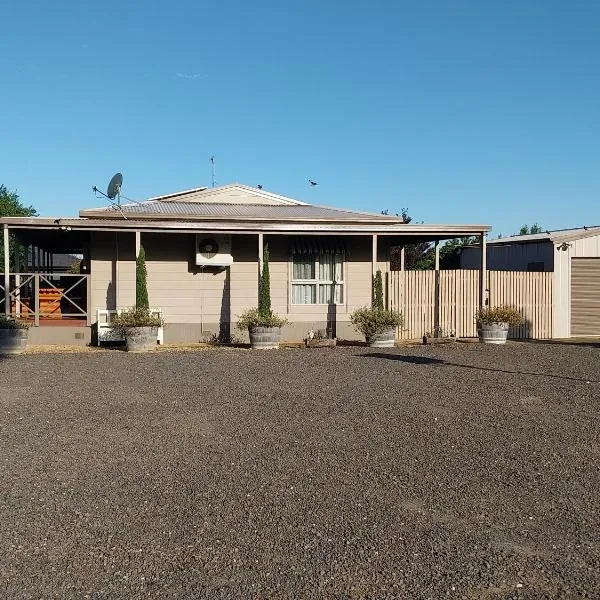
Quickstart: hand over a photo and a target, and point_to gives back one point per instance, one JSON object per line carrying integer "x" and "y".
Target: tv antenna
{"x": 113, "y": 191}
{"x": 212, "y": 160}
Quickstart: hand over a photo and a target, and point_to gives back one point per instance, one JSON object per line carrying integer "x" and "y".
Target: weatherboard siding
{"x": 203, "y": 298}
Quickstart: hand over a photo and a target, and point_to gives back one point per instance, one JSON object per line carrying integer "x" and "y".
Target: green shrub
{"x": 7, "y": 322}
{"x": 373, "y": 320}
{"x": 262, "y": 316}
{"x": 499, "y": 314}
{"x": 254, "y": 318}
{"x": 264, "y": 293}
{"x": 141, "y": 283}
{"x": 134, "y": 317}
{"x": 377, "y": 301}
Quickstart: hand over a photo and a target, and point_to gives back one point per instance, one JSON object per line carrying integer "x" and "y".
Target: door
{"x": 585, "y": 296}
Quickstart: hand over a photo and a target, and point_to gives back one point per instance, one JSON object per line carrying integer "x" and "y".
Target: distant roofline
{"x": 552, "y": 235}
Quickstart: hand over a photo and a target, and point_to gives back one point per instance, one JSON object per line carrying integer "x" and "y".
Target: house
{"x": 573, "y": 255}
{"x": 204, "y": 249}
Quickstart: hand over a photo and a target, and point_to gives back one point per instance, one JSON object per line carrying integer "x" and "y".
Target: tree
{"x": 377, "y": 301}
{"x": 11, "y": 206}
{"x": 535, "y": 228}
{"x": 141, "y": 283}
{"x": 264, "y": 297}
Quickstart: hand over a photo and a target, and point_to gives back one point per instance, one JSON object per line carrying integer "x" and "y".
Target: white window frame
{"x": 318, "y": 282}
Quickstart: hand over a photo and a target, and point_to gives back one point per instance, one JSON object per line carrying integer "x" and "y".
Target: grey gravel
{"x": 454, "y": 471}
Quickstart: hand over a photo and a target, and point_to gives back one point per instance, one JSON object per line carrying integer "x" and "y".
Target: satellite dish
{"x": 114, "y": 187}
{"x": 208, "y": 248}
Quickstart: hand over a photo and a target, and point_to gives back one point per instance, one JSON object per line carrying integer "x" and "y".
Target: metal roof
{"x": 197, "y": 210}
{"x": 117, "y": 223}
{"x": 556, "y": 235}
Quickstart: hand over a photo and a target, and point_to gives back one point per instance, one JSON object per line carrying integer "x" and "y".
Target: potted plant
{"x": 138, "y": 325}
{"x": 14, "y": 335}
{"x": 493, "y": 323}
{"x": 263, "y": 325}
{"x": 377, "y": 323}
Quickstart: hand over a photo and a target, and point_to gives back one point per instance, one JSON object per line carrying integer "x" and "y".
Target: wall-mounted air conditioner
{"x": 213, "y": 250}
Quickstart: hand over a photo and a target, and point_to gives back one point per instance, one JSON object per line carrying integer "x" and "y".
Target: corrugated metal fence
{"x": 414, "y": 293}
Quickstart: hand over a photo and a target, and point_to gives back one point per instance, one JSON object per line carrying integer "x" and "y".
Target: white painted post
{"x": 374, "y": 257}
{"x": 17, "y": 281}
{"x": 402, "y": 259}
{"x": 483, "y": 272}
{"x": 138, "y": 243}
{"x": 116, "y": 282}
{"x": 6, "y": 271}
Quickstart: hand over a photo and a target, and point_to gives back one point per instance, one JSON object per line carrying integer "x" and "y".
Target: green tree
{"x": 141, "y": 281}
{"x": 11, "y": 206}
{"x": 535, "y": 228}
{"x": 377, "y": 301}
{"x": 264, "y": 298}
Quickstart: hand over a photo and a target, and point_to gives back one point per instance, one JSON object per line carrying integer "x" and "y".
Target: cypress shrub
{"x": 141, "y": 285}
{"x": 264, "y": 298}
{"x": 377, "y": 291}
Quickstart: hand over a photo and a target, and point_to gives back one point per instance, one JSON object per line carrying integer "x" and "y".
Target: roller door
{"x": 585, "y": 296}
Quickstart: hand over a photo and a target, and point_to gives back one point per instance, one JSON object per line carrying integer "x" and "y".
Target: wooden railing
{"x": 39, "y": 297}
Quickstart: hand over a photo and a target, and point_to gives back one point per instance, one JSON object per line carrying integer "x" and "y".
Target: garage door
{"x": 585, "y": 296}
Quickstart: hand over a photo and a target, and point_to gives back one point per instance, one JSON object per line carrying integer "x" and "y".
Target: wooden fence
{"x": 454, "y": 296}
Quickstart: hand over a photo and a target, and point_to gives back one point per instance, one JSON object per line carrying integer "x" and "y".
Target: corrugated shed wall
{"x": 510, "y": 257}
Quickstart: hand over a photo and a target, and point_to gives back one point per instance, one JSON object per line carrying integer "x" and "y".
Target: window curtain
{"x": 330, "y": 267}
{"x": 304, "y": 267}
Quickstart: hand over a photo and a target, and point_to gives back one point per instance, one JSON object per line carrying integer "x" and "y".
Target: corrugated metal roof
{"x": 242, "y": 211}
{"x": 549, "y": 236}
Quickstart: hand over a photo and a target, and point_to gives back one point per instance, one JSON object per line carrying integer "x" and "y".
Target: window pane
{"x": 330, "y": 267}
{"x": 325, "y": 292}
{"x": 304, "y": 294}
{"x": 304, "y": 267}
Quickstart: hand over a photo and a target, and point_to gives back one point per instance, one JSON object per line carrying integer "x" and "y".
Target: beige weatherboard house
{"x": 204, "y": 249}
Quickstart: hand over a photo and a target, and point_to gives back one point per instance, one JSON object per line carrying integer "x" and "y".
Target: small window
{"x": 535, "y": 267}
{"x": 318, "y": 278}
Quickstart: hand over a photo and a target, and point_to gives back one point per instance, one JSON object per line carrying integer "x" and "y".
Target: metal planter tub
{"x": 13, "y": 341}
{"x": 385, "y": 339}
{"x": 264, "y": 338}
{"x": 493, "y": 333}
{"x": 141, "y": 339}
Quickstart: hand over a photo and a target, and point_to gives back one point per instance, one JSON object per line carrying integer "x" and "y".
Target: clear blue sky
{"x": 462, "y": 111}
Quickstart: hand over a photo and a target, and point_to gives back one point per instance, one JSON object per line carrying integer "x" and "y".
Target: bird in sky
{"x": 313, "y": 183}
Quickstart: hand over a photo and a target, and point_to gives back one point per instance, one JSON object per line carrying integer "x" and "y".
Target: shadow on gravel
{"x": 425, "y": 360}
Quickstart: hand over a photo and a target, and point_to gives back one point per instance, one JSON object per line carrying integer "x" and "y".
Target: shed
{"x": 573, "y": 255}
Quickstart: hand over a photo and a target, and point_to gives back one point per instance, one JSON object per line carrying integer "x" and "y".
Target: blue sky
{"x": 477, "y": 112}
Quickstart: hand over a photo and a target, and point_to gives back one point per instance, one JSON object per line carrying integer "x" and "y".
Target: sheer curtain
{"x": 320, "y": 290}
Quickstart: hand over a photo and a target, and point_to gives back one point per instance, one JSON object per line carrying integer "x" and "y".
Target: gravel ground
{"x": 454, "y": 471}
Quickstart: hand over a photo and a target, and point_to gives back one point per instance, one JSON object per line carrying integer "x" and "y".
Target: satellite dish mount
{"x": 113, "y": 191}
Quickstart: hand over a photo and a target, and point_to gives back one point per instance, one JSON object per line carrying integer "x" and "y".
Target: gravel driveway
{"x": 455, "y": 471}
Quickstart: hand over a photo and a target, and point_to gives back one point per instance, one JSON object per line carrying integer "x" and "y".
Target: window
{"x": 318, "y": 278}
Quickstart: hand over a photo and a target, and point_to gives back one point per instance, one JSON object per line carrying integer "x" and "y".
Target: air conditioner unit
{"x": 213, "y": 250}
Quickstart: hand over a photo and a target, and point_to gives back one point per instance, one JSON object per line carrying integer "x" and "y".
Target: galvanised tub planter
{"x": 264, "y": 338}
{"x": 493, "y": 333}
{"x": 13, "y": 341}
{"x": 385, "y": 339}
{"x": 140, "y": 339}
